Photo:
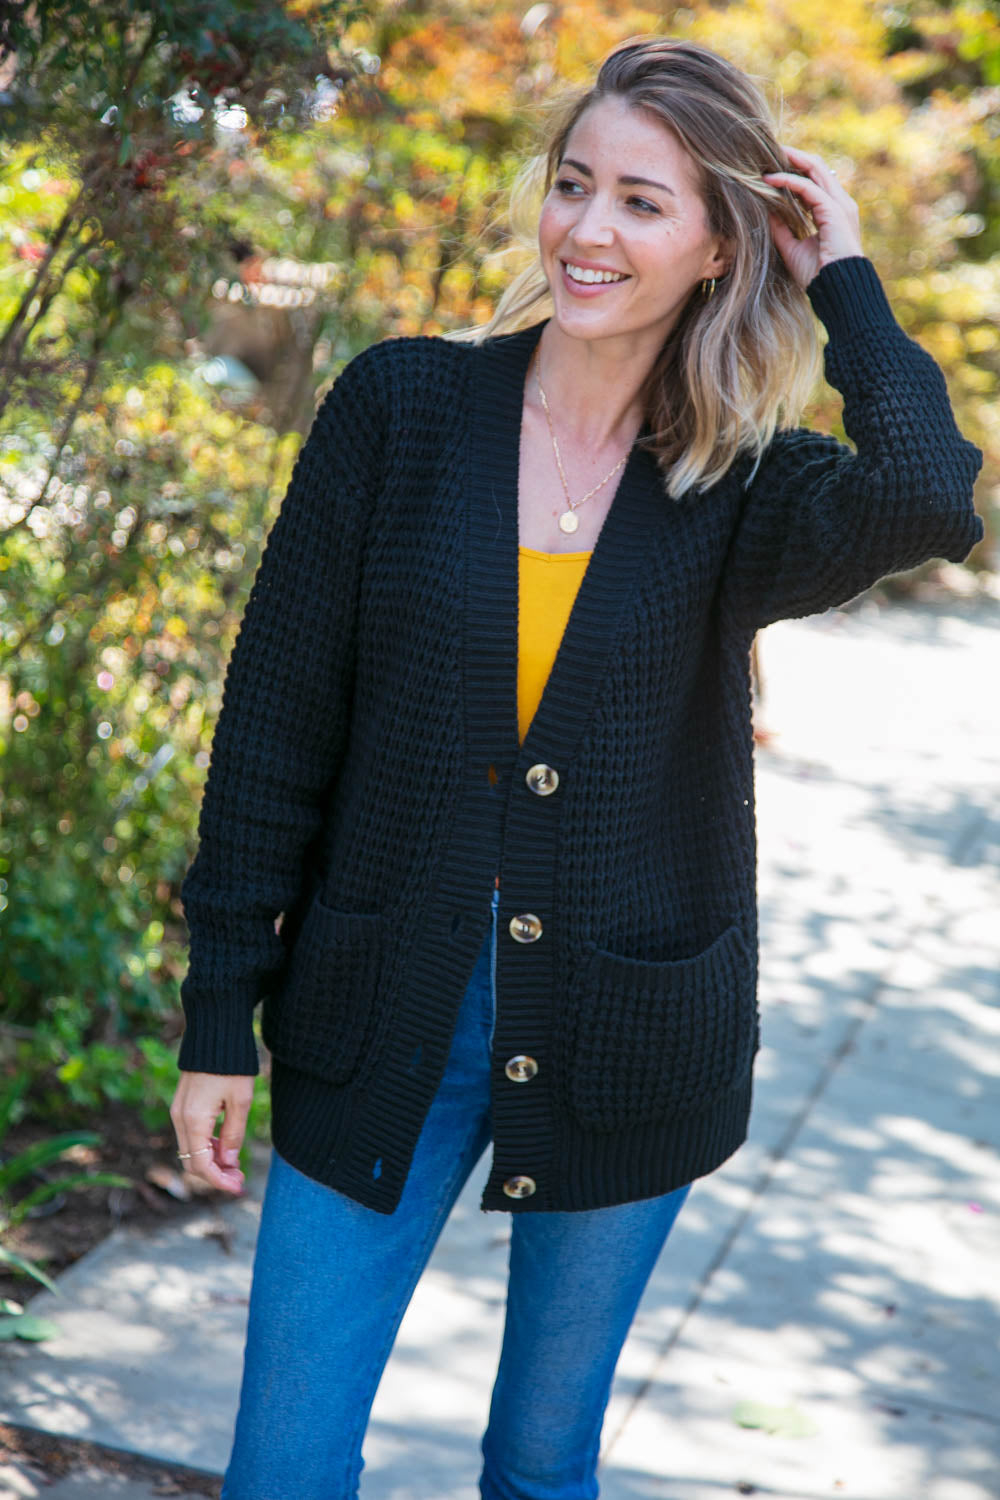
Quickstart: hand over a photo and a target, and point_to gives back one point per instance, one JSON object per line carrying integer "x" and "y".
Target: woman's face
{"x": 596, "y": 216}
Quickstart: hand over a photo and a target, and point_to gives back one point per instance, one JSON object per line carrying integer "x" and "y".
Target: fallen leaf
{"x": 223, "y": 1234}
{"x": 27, "y": 1326}
{"x": 779, "y": 1421}
{"x": 169, "y": 1180}
{"x": 148, "y": 1195}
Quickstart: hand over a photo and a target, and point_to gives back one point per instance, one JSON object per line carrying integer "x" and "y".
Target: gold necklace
{"x": 568, "y": 521}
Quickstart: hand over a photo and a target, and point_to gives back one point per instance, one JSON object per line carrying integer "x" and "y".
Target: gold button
{"x": 525, "y": 927}
{"x": 519, "y": 1187}
{"x": 542, "y": 779}
{"x": 521, "y": 1069}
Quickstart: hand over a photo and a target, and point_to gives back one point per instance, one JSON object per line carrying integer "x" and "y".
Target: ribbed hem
{"x": 848, "y": 296}
{"x": 599, "y": 1171}
{"x": 311, "y": 1127}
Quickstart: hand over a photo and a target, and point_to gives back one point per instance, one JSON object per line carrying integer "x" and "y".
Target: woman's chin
{"x": 585, "y": 314}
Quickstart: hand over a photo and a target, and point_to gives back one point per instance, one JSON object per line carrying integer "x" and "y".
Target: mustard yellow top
{"x": 547, "y": 586}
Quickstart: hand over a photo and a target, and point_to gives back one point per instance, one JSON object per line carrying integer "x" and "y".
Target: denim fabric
{"x": 332, "y": 1280}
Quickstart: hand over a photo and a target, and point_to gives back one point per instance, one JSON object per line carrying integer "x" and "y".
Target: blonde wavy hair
{"x": 748, "y": 355}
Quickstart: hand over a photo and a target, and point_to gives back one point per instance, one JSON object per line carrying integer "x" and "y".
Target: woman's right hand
{"x": 199, "y": 1100}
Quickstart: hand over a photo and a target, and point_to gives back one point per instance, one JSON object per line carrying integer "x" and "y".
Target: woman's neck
{"x": 592, "y": 388}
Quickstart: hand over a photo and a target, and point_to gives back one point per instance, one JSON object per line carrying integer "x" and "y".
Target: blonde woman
{"x": 485, "y": 743}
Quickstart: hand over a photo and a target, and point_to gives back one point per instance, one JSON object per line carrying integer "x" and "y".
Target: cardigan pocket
{"x": 324, "y": 1014}
{"x": 655, "y": 1040}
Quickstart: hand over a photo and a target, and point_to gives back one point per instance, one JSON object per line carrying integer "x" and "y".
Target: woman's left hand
{"x": 834, "y": 211}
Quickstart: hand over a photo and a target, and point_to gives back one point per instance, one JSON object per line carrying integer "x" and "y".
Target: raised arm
{"x": 281, "y": 728}
{"x": 822, "y": 522}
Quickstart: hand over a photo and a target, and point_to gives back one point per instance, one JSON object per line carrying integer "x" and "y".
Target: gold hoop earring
{"x": 711, "y": 292}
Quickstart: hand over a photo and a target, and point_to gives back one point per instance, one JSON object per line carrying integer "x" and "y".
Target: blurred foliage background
{"x": 206, "y": 208}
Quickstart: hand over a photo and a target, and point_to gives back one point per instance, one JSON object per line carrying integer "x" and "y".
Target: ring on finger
{"x": 185, "y": 1154}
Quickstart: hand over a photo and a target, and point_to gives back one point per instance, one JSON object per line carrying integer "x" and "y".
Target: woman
{"x": 485, "y": 742}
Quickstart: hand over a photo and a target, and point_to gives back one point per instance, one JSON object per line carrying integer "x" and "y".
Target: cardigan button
{"x": 525, "y": 927}
{"x": 542, "y": 779}
{"x": 521, "y": 1069}
{"x": 519, "y": 1187}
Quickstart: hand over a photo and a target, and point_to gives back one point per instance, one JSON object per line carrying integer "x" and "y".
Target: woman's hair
{"x": 733, "y": 361}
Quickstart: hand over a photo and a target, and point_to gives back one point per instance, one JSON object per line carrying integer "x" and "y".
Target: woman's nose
{"x": 594, "y": 223}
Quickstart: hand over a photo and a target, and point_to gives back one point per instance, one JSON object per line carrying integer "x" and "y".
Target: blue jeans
{"x": 332, "y": 1280}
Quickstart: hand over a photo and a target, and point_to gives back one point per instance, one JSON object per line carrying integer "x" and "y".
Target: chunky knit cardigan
{"x": 366, "y": 778}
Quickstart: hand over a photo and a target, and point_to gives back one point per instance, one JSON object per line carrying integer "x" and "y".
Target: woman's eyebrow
{"x": 629, "y": 181}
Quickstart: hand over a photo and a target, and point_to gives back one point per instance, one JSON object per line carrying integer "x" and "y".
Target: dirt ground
{"x": 46, "y": 1459}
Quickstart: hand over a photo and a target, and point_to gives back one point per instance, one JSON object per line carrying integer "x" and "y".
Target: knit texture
{"x": 367, "y": 780}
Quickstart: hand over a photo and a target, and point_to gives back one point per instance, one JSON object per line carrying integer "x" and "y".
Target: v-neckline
{"x": 638, "y": 509}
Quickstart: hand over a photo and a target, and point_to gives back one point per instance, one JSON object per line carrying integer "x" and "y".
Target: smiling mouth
{"x": 584, "y": 277}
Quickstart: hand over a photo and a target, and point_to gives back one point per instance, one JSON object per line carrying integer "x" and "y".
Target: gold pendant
{"x": 568, "y": 521}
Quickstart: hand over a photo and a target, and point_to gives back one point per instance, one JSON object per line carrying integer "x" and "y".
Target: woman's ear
{"x": 719, "y": 257}
{"x": 725, "y": 255}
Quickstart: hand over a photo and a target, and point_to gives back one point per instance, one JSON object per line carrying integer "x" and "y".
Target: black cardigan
{"x": 366, "y": 778}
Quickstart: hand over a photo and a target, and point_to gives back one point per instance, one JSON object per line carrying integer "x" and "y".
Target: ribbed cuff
{"x": 849, "y": 297}
{"x": 218, "y": 1039}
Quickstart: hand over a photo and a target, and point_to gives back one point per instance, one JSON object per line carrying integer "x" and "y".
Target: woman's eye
{"x": 565, "y": 186}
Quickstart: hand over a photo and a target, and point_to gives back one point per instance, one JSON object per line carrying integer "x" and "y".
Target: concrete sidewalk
{"x": 836, "y": 1284}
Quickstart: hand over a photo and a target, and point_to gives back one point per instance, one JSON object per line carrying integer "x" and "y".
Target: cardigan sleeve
{"x": 822, "y": 522}
{"x": 281, "y": 727}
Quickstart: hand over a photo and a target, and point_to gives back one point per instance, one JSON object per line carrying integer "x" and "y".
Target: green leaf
{"x": 19, "y": 1211}
{"x": 11, "y": 1258}
{"x": 9, "y": 1099}
{"x": 779, "y": 1421}
{"x": 43, "y": 1152}
{"x": 26, "y": 1326}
